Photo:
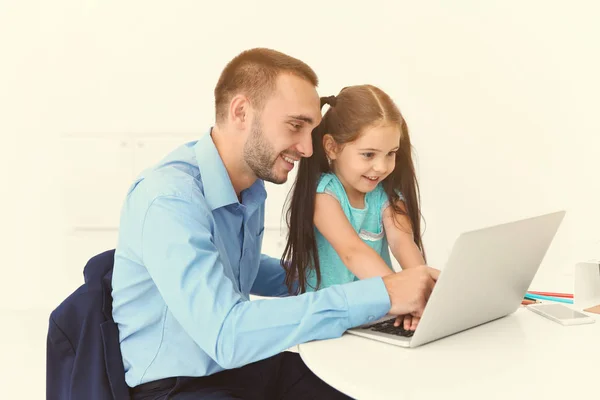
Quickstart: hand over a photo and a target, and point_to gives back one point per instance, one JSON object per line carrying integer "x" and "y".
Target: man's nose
{"x": 305, "y": 147}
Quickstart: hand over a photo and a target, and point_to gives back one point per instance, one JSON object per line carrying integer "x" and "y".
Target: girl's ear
{"x": 330, "y": 146}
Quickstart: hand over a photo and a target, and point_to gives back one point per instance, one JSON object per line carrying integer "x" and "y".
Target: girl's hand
{"x": 410, "y": 322}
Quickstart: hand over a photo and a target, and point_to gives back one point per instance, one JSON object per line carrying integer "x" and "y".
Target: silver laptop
{"x": 487, "y": 274}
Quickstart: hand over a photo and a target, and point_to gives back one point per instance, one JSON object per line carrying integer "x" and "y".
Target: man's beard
{"x": 260, "y": 156}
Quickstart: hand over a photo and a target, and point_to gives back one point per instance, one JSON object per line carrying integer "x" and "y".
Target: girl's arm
{"x": 359, "y": 258}
{"x": 399, "y": 233}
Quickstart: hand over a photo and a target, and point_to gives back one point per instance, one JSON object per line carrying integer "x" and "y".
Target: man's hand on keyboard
{"x": 410, "y": 289}
{"x": 410, "y": 322}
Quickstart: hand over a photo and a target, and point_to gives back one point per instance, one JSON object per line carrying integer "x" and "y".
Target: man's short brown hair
{"x": 253, "y": 73}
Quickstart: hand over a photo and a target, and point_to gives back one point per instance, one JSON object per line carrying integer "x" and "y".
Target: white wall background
{"x": 501, "y": 98}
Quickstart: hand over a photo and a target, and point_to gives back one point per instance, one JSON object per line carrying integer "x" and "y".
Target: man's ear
{"x": 239, "y": 111}
{"x": 330, "y": 146}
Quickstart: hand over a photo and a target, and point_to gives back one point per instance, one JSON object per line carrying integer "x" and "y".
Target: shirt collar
{"x": 254, "y": 196}
{"x": 218, "y": 189}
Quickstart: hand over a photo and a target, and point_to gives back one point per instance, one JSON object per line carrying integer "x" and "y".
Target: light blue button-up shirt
{"x": 188, "y": 257}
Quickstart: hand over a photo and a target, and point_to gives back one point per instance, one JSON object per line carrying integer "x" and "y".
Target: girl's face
{"x": 365, "y": 162}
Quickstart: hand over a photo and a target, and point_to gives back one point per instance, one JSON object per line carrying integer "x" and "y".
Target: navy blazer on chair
{"x": 83, "y": 352}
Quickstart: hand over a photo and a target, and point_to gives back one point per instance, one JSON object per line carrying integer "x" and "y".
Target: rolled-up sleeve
{"x": 180, "y": 255}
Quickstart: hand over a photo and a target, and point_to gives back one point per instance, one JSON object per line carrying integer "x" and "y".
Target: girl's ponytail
{"x": 300, "y": 253}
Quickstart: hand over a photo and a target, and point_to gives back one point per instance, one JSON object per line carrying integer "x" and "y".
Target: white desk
{"x": 521, "y": 356}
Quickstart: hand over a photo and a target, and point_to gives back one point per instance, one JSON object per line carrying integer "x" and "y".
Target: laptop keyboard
{"x": 389, "y": 328}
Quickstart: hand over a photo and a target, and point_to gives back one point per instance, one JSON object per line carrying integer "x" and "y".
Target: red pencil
{"x": 563, "y": 295}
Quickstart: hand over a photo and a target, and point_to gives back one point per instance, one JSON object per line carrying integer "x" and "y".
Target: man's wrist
{"x": 388, "y": 287}
{"x": 367, "y": 300}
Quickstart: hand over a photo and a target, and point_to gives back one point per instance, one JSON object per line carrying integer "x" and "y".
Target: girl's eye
{"x": 367, "y": 155}
{"x": 391, "y": 153}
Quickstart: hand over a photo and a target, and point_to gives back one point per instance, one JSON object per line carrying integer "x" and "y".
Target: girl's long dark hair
{"x": 353, "y": 110}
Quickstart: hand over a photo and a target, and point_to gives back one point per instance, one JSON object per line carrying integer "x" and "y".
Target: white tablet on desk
{"x": 561, "y": 314}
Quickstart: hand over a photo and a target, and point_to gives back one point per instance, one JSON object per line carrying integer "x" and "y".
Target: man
{"x": 188, "y": 254}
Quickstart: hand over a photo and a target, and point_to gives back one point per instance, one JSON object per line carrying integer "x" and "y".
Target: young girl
{"x": 361, "y": 191}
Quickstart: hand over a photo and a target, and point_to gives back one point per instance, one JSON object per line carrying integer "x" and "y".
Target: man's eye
{"x": 295, "y": 126}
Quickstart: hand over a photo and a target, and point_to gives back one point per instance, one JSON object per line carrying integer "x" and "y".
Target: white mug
{"x": 587, "y": 284}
